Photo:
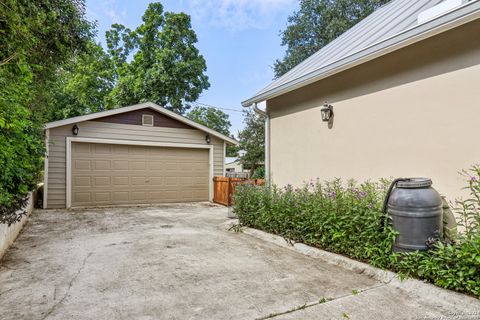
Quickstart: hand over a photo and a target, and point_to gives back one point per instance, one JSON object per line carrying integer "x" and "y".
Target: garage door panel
{"x": 156, "y": 181}
{"x": 102, "y": 182}
{"x": 138, "y": 165}
{"x": 102, "y": 196}
{"x": 121, "y": 150}
{"x": 84, "y": 197}
{"x": 82, "y": 164}
{"x": 103, "y": 165}
{"x": 156, "y": 165}
{"x": 121, "y": 181}
{"x": 102, "y": 148}
{"x": 82, "y": 148}
{"x": 120, "y": 174}
{"x": 80, "y": 181}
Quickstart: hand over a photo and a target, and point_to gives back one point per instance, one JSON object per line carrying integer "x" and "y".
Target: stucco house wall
{"x": 413, "y": 112}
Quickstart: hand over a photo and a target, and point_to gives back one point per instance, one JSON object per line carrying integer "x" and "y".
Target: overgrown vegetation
{"x": 36, "y": 40}
{"x": 340, "y": 218}
{"x": 348, "y": 219}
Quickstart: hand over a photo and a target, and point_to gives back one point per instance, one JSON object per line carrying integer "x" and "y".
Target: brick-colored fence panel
{"x": 224, "y": 188}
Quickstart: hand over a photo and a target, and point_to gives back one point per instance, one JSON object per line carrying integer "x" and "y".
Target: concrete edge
{"x": 8, "y": 234}
{"x": 426, "y": 291}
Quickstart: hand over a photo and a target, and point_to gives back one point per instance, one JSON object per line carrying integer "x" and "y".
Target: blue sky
{"x": 238, "y": 38}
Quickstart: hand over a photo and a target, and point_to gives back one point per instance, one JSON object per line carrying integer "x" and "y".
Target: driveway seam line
{"x": 312, "y": 304}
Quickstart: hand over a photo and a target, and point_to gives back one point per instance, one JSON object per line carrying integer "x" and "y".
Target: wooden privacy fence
{"x": 224, "y": 188}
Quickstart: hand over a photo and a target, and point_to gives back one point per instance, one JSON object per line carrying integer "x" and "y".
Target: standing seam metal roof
{"x": 386, "y": 22}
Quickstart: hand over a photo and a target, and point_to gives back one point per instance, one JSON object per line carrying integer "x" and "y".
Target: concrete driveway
{"x": 175, "y": 262}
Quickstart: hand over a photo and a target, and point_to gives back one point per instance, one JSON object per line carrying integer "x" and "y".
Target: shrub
{"x": 259, "y": 173}
{"x": 21, "y": 150}
{"x": 342, "y": 219}
{"x": 348, "y": 219}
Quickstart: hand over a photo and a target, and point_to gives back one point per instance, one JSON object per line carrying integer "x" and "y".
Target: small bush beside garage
{"x": 347, "y": 218}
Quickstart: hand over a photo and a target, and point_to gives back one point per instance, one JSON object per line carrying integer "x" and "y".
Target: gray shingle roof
{"x": 394, "y": 18}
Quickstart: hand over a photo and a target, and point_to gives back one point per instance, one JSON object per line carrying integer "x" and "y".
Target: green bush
{"x": 342, "y": 219}
{"x": 21, "y": 151}
{"x": 259, "y": 173}
{"x": 348, "y": 219}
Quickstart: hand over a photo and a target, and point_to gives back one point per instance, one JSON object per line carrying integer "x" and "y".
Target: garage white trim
{"x": 69, "y": 141}
{"x": 45, "y": 173}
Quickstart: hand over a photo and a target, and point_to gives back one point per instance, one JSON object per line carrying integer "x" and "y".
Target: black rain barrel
{"x": 416, "y": 211}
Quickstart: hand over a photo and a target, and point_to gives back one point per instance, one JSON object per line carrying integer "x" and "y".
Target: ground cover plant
{"x": 347, "y": 218}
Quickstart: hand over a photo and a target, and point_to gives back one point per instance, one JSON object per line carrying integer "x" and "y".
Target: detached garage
{"x": 141, "y": 154}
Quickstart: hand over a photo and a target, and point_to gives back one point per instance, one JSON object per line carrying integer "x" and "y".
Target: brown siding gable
{"x": 135, "y": 118}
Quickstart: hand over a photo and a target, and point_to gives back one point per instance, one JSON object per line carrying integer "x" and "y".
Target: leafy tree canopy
{"x": 252, "y": 141}
{"x": 315, "y": 24}
{"x": 37, "y": 39}
{"x": 166, "y": 68}
{"x": 210, "y": 117}
{"x": 82, "y": 84}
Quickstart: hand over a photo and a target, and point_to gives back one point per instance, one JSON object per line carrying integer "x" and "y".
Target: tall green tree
{"x": 166, "y": 67}
{"x": 252, "y": 141}
{"x": 210, "y": 117}
{"x": 215, "y": 119}
{"x": 36, "y": 39}
{"x": 317, "y": 23}
{"x": 82, "y": 84}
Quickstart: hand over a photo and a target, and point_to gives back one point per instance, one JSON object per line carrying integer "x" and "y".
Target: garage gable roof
{"x": 150, "y": 105}
{"x": 391, "y": 27}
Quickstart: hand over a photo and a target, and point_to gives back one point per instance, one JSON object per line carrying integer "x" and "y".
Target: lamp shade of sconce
{"x": 208, "y": 139}
{"x": 327, "y": 112}
{"x": 75, "y": 130}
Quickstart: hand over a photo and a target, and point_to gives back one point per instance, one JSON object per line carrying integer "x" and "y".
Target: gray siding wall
{"x": 92, "y": 129}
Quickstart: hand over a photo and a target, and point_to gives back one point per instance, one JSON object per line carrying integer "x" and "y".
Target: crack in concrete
{"x": 1, "y": 293}
{"x": 70, "y": 284}
{"x": 320, "y": 301}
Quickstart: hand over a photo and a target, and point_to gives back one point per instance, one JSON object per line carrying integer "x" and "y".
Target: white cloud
{"x": 109, "y": 9}
{"x": 239, "y": 14}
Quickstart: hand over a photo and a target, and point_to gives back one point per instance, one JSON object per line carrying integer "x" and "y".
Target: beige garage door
{"x": 109, "y": 174}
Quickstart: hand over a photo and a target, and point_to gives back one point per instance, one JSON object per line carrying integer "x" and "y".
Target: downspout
{"x": 267, "y": 141}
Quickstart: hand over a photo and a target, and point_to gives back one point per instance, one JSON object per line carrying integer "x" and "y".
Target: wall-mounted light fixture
{"x": 327, "y": 112}
{"x": 208, "y": 139}
{"x": 75, "y": 130}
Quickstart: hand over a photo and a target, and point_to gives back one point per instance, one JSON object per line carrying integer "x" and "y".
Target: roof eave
{"x": 453, "y": 19}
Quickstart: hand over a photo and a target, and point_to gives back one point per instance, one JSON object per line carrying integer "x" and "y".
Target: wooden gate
{"x": 224, "y": 188}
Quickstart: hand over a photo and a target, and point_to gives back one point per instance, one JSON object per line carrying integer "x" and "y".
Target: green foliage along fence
{"x": 348, "y": 219}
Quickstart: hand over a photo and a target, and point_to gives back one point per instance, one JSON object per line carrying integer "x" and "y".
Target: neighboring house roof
{"x": 229, "y": 160}
{"x": 150, "y": 105}
{"x": 389, "y": 28}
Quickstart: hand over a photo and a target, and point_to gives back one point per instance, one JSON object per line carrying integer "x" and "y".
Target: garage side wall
{"x": 412, "y": 113}
{"x": 56, "y": 192}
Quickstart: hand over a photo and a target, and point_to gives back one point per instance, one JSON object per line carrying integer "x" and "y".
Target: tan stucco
{"x": 414, "y": 112}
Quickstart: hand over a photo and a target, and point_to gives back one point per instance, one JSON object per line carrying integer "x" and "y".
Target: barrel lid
{"x": 411, "y": 183}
